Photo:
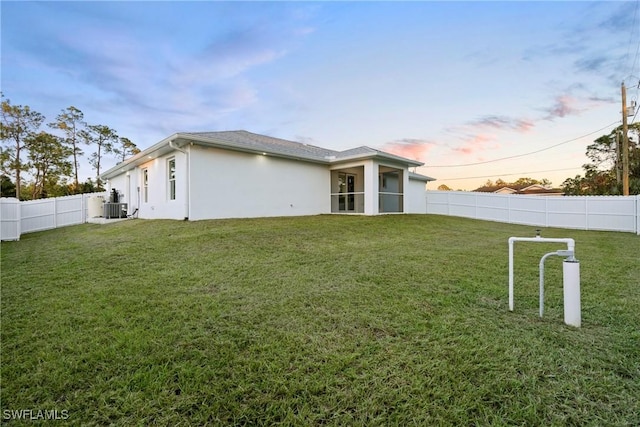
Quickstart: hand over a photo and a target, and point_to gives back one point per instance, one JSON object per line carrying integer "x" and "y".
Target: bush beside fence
{"x": 608, "y": 213}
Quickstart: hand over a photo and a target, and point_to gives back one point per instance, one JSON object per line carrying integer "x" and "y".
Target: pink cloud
{"x": 568, "y": 105}
{"x": 475, "y": 143}
{"x": 501, "y": 123}
{"x": 564, "y": 105}
{"x": 416, "y": 149}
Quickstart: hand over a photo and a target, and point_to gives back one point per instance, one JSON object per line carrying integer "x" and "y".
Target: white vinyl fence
{"x": 609, "y": 213}
{"x": 17, "y": 217}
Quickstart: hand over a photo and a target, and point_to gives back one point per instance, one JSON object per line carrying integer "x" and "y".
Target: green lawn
{"x": 325, "y": 320}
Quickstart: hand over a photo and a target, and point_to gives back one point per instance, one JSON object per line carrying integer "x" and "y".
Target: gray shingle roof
{"x": 241, "y": 139}
{"x": 268, "y": 144}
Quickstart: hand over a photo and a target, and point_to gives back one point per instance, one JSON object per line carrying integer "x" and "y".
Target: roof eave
{"x": 378, "y": 156}
{"x": 419, "y": 177}
{"x": 217, "y": 143}
{"x": 138, "y": 159}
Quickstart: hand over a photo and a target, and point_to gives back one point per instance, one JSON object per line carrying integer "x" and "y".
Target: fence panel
{"x": 70, "y": 210}
{"x": 38, "y": 215}
{"x": 43, "y": 214}
{"x": 567, "y": 212}
{"x": 464, "y": 204}
{"x": 527, "y": 210}
{"x": 9, "y": 218}
{"x": 438, "y": 202}
{"x": 609, "y": 213}
{"x": 492, "y": 208}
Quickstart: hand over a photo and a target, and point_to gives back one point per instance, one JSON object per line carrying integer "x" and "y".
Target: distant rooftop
{"x": 531, "y": 189}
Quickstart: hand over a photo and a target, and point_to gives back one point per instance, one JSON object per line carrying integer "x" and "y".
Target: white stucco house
{"x": 238, "y": 174}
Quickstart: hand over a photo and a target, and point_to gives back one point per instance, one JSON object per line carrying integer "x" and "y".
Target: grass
{"x": 326, "y": 320}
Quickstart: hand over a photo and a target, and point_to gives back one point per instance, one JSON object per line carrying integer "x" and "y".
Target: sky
{"x": 478, "y": 91}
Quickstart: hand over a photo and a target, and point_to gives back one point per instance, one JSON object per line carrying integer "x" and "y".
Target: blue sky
{"x": 446, "y": 83}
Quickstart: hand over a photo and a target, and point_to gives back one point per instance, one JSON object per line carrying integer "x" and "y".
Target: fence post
{"x": 586, "y": 213}
{"x": 475, "y": 206}
{"x": 638, "y": 214}
{"x": 546, "y": 212}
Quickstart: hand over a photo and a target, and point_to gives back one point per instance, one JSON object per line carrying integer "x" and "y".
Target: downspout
{"x": 186, "y": 176}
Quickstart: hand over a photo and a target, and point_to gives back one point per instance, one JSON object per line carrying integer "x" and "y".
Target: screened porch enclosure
{"x": 348, "y": 190}
{"x": 391, "y": 190}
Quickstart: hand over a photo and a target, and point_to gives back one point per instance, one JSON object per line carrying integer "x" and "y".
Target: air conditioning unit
{"x": 115, "y": 210}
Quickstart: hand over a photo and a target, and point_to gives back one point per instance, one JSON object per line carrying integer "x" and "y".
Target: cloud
{"x": 502, "y": 123}
{"x": 563, "y": 106}
{"x": 475, "y": 143}
{"x": 229, "y": 55}
{"x": 587, "y": 43}
{"x": 593, "y": 64}
{"x": 621, "y": 19}
{"x": 410, "y": 148}
{"x": 123, "y": 61}
{"x": 602, "y": 100}
{"x": 566, "y": 104}
{"x": 481, "y": 134}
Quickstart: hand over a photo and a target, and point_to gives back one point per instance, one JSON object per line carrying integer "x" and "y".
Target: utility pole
{"x": 618, "y": 162}
{"x": 625, "y": 144}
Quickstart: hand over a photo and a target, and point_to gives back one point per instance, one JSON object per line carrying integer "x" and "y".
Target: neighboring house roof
{"x": 533, "y": 189}
{"x": 241, "y": 140}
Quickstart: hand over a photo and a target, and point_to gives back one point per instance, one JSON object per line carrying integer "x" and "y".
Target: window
{"x": 145, "y": 185}
{"x": 171, "y": 169}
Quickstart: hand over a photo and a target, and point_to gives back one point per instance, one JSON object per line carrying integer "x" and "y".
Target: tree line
{"x": 520, "y": 182}
{"x": 45, "y": 164}
{"x": 603, "y": 175}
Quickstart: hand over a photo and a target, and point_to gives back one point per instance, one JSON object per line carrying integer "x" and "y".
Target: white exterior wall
{"x": 228, "y": 184}
{"x": 119, "y": 183}
{"x": 415, "y": 200}
{"x": 158, "y": 204}
{"x": 371, "y": 188}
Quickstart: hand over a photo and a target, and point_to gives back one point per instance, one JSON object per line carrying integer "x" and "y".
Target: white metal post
{"x": 571, "y": 292}
{"x": 571, "y": 277}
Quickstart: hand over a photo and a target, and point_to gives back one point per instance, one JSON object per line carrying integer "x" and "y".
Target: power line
{"x": 524, "y": 154}
{"x": 634, "y": 27}
{"x": 506, "y": 174}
